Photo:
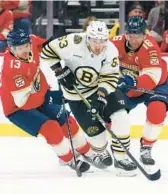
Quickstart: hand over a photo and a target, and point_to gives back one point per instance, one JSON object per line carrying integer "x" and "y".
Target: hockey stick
{"x": 143, "y": 90}
{"x": 152, "y": 177}
{"x": 78, "y": 172}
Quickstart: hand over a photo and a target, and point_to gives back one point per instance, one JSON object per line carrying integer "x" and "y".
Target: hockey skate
{"x": 145, "y": 155}
{"x": 81, "y": 165}
{"x": 95, "y": 160}
{"x": 100, "y": 160}
{"x": 106, "y": 158}
{"x": 125, "y": 167}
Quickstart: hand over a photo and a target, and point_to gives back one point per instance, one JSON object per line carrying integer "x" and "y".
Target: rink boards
{"x": 137, "y": 120}
{"x": 136, "y": 131}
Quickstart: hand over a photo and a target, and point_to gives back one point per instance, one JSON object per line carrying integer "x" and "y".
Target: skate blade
{"x": 124, "y": 173}
{"x": 90, "y": 171}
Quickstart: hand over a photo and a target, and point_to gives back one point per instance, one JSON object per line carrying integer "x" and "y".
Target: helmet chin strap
{"x": 87, "y": 43}
{"x": 87, "y": 40}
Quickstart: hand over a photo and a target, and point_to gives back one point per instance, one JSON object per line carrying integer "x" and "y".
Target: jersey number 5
{"x": 15, "y": 64}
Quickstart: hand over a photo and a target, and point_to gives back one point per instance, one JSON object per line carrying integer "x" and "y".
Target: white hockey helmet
{"x": 97, "y": 30}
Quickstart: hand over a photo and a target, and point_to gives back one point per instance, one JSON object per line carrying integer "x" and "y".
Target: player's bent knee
{"x": 156, "y": 112}
{"x": 120, "y": 122}
{"x": 52, "y": 132}
{"x": 73, "y": 127}
{"x": 120, "y": 114}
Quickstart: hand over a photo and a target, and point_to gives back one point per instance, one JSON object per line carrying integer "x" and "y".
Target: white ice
{"x": 29, "y": 166}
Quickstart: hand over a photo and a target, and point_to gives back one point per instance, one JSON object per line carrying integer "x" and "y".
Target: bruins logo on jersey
{"x": 77, "y": 39}
{"x": 93, "y": 130}
{"x": 87, "y": 76}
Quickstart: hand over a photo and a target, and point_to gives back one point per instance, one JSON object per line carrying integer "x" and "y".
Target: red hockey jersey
{"x": 23, "y": 84}
{"x": 145, "y": 63}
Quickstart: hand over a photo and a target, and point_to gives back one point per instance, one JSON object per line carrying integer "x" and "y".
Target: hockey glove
{"x": 126, "y": 80}
{"x": 98, "y": 106}
{"x": 54, "y": 97}
{"x": 66, "y": 78}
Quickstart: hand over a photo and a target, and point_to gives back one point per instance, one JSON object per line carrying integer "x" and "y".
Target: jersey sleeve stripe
{"x": 108, "y": 86}
{"x": 109, "y": 74}
{"x": 51, "y": 47}
{"x": 115, "y": 79}
{"x": 113, "y": 84}
{"x": 46, "y": 48}
{"x": 48, "y": 54}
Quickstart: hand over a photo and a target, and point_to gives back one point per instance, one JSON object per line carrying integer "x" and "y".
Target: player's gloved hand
{"x": 127, "y": 80}
{"x": 98, "y": 106}
{"x": 66, "y": 78}
{"x": 54, "y": 97}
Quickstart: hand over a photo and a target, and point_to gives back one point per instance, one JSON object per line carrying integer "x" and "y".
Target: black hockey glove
{"x": 66, "y": 78}
{"x": 98, "y": 106}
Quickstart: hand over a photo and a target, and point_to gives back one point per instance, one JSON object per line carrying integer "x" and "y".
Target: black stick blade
{"x": 155, "y": 176}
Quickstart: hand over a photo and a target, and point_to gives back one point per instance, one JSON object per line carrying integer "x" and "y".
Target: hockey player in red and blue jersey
{"x": 26, "y": 99}
{"x": 141, "y": 66}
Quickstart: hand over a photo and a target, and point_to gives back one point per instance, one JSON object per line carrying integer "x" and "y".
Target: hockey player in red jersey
{"x": 29, "y": 104}
{"x": 141, "y": 66}
{"x": 6, "y": 25}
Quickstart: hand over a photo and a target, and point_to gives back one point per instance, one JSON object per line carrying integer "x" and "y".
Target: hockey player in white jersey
{"x": 91, "y": 63}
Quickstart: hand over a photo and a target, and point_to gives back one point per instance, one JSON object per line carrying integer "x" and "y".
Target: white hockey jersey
{"x": 91, "y": 71}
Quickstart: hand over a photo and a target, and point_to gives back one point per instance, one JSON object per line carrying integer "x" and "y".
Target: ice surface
{"x": 29, "y": 166}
